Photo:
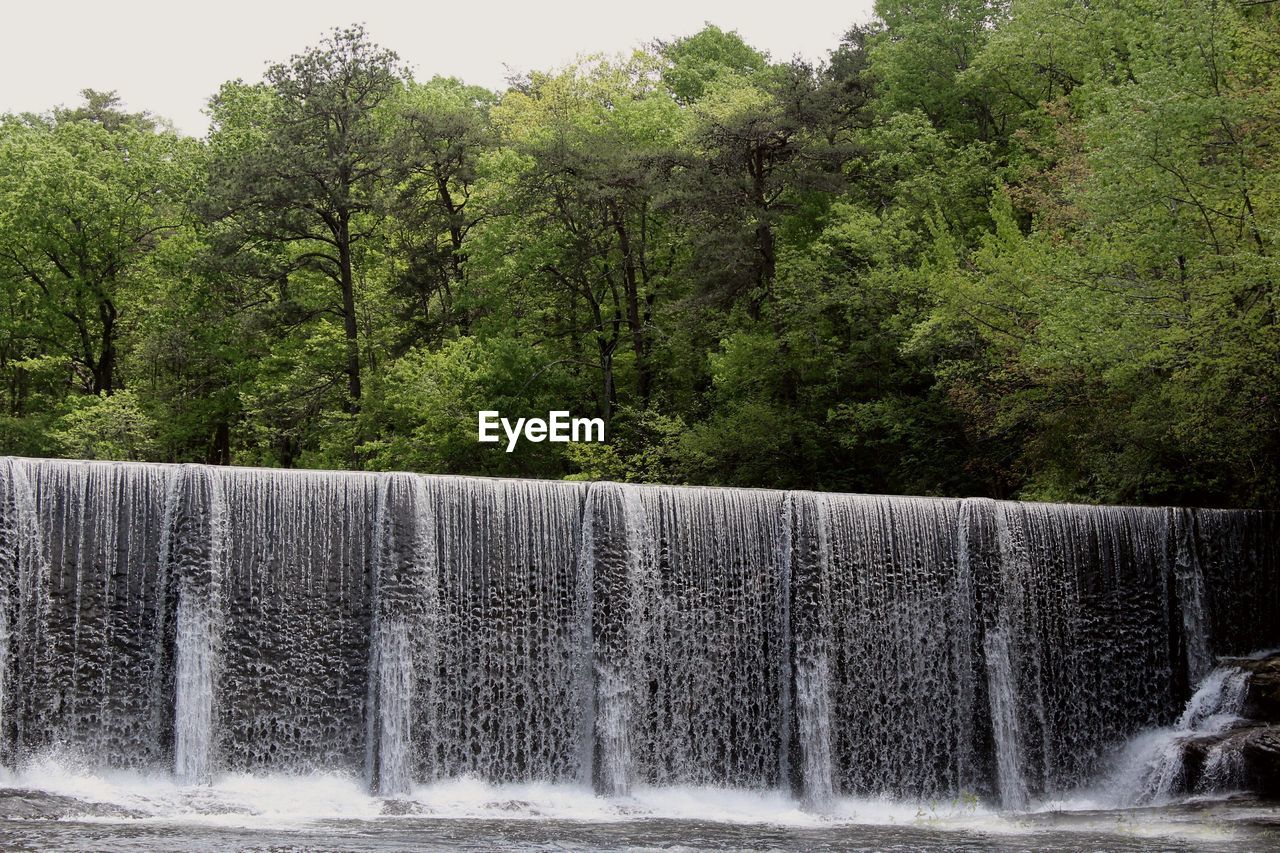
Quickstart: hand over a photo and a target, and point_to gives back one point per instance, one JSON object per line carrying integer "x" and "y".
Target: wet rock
{"x": 1261, "y": 754}
{"x": 25, "y": 804}
{"x": 1247, "y": 754}
{"x": 401, "y": 807}
{"x": 1262, "y": 702}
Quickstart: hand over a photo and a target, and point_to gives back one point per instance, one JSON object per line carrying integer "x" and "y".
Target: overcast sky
{"x": 169, "y": 60}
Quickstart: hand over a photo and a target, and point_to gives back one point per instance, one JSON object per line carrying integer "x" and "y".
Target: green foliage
{"x": 84, "y": 205}
{"x": 106, "y": 427}
{"x": 710, "y": 55}
{"x": 1019, "y": 248}
{"x": 426, "y": 404}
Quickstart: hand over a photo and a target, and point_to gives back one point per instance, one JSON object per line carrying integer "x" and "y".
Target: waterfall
{"x": 810, "y": 575}
{"x": 1003, "y": 695}
{"x": 1152, "y": 766}
{"x": 1084, "y": 599}
{"x": 1191, "y": 593}
{"x": 507, "y": 695}
{"x": 894, "y": 623}
{"x": 624, "y": 585}
{"x": 709, "y": 625}
{"x": 1236, "y": 551}
{"x": 404, "y": 643}
{"x": 90, "y": 636}
{"x": 294, "y": 669}
{"x": 21, "y": 605}
{"x": 421, "y": 628}
{"x": 194, "y": 549}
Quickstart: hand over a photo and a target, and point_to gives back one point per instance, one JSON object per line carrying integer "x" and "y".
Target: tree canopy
{"x": 1024, "y": 248}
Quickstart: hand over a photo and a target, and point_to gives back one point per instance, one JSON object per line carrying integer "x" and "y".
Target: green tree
{"x": 442, "y": 131}
{"x": 86, "y": 197}
{"x": 577, "y": 245}
{"x": 311, "y": 168}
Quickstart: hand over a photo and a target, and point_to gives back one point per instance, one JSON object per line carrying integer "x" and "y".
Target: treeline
{"x": 988, "y": 247}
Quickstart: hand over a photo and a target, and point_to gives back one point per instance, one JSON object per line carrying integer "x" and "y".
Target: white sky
{"x": 169, "y": 60}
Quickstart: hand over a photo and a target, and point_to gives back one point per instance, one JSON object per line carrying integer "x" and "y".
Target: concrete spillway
{"x": 415, "y": 628}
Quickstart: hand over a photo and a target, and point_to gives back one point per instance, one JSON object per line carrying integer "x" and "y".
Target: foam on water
{"x": 310, "y": 802}
{"x": 298, "y": 799}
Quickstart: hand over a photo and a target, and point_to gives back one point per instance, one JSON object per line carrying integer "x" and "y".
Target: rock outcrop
{"x": 1246, "y": 755}
{"x": 1227, "y": 739}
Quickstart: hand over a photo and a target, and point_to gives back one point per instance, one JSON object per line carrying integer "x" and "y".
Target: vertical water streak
{"x": 623, "y": 592}
{"x": 1191, "y": 595}
{"x": 23, "y": 577}
{"x": 1002, "y": 694}
{"x": 404, "y": 644}
{"x": 1085, "y": 601}
{"x": 84, "y": 632}
{"x": 582, "y": 639}
{"x": 974, "y": 569}
{"x": 810, "y": 653}
{"x": 197, "y": 556}
{"x": 786, "y": 584}
{"x": 1014, "y": 677}
{"x": 295, "y": 669}
{"x": 709, "y": 713}
{"x": 1239, "y": 559}
{"x": 813, "y": 718}
{"x": 898, "y": 637}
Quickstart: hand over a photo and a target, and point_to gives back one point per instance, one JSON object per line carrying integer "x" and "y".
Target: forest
{"x": 1007, "y": 248}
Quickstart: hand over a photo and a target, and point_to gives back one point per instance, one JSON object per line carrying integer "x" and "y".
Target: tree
{"x": 696, "y": 62}
{"x": 442, "y": 131}
{"x": 755, "y": 146}
{"x": 313, "y": 177}
{"x": 578, "y": 218}
{"x": 920, "y": 56}
{"x": 86, "y": 197}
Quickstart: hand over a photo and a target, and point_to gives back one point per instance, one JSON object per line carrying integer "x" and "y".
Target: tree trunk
{"x": 766, "y": 245}
{"x": 454, "y": 214}
{"x": 766, "y": 248}
{"x": 105, "y": 368}
{"x": 220, "y": 449}
{"x": 347, "y": 282}
{"x": 608, "y": 389}
{"x": 630, "y": 278}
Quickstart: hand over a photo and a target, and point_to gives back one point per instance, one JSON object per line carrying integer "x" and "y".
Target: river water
{"x": 53, "y": 807}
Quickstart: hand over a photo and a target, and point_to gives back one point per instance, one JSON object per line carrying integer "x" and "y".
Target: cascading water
{"x": 504, "y": 699}
{"x": 893, "y": 626}
{"x": 23, "y": 605}
{"x": 706, "y": 644}
{"x": 1191, "y": 595}
{"x": 194, "y": 548}
{"x": 404, "y": 652}
{"x": 1006, "y": 730}
{"x": 415, "y": 629}
{"x": 1152, "y": 767}
{"x": 89, "y": 608}
{"x": 1084, "y": 600}
{"x": 623, "y": 579}
{"x": 294, "y": 670}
